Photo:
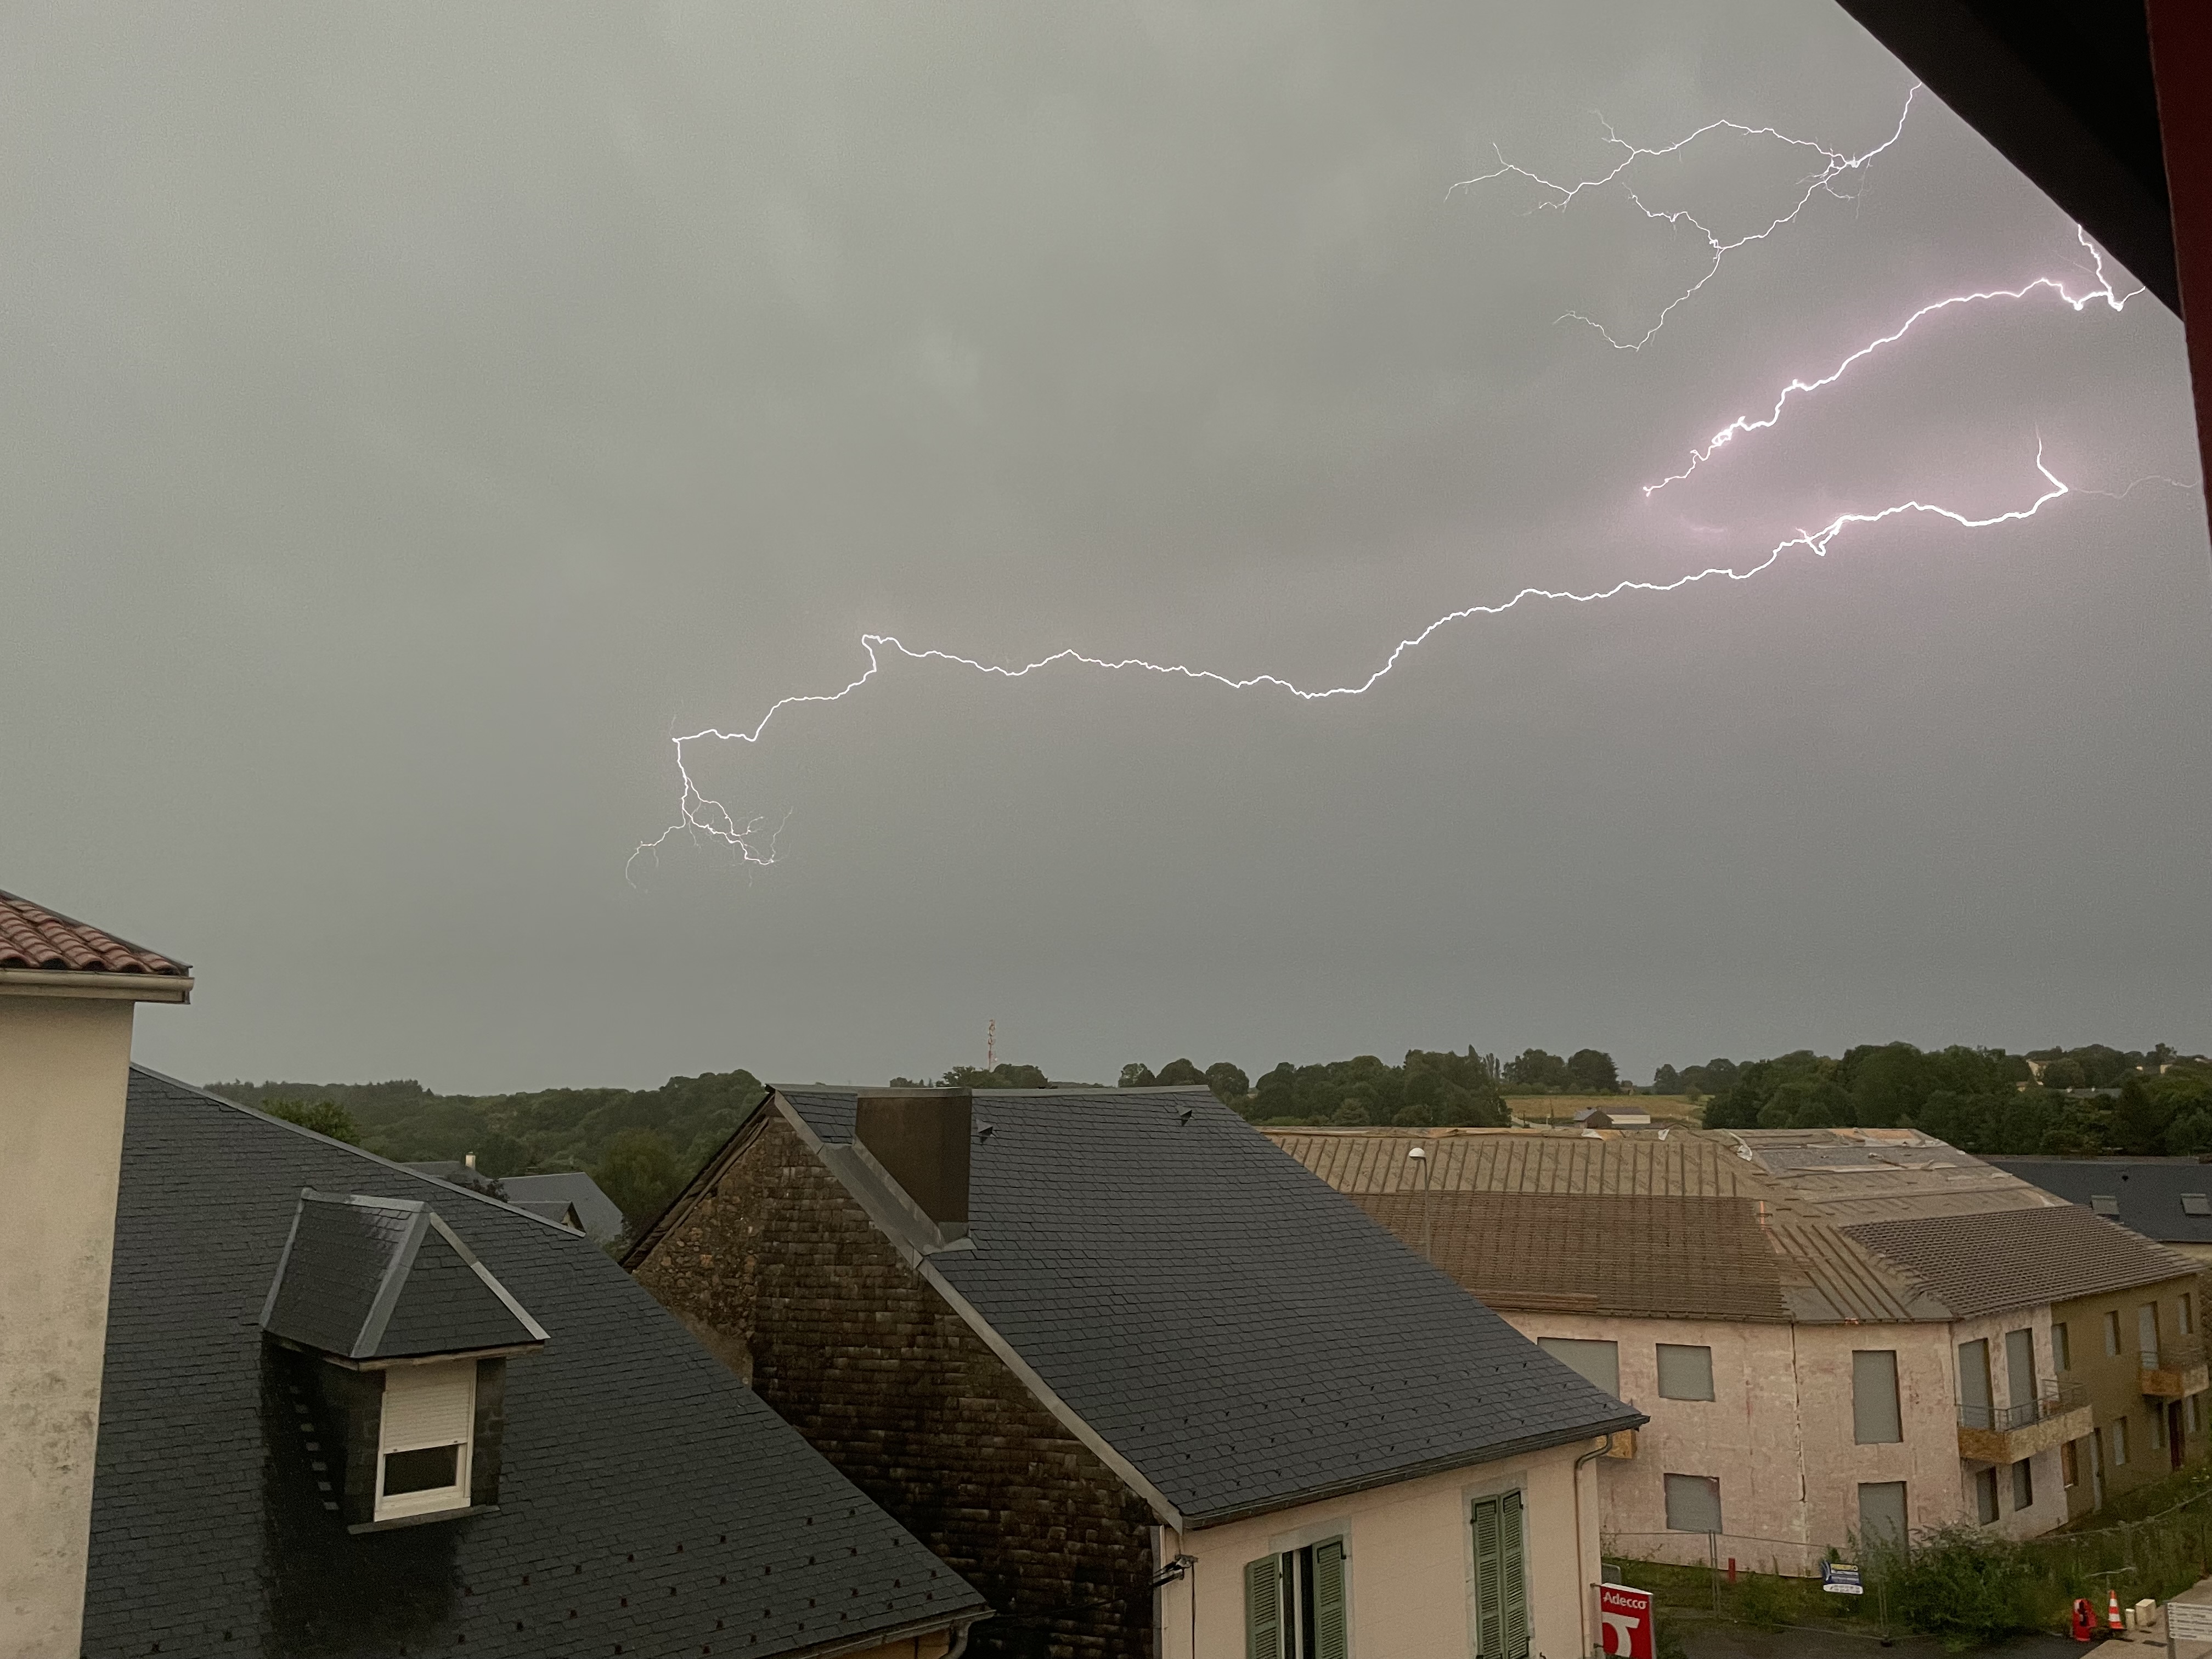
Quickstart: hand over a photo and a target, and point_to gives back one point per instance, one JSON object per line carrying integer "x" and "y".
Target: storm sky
{"x": 415, "y": 415}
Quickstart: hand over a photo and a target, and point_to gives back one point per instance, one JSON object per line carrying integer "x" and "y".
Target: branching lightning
{"x": 753, "y": 838}
{"x": 1834, "y": 166}
{"x": 2105, "y": 290}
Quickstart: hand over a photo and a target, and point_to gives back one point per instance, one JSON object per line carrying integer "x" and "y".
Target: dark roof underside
{"x": 636, "y": 1466}
{"x": 2002, "y": 1259}
{"x": 1222, "y": 1318}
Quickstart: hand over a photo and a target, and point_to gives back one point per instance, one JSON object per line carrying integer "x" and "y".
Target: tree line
{"x": 2078, "y": 1103}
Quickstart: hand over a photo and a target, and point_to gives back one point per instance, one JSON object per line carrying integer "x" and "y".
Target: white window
{"x": 1685, "y": 1372}
{"x": 1595, "y": 1362}
{"x": 1694, "y": 1503}
{"x": 427, "y": 1433}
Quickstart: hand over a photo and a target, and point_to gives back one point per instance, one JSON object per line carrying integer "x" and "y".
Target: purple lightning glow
{"x": 1742, "y": 424}
{"x": 702, "y": 817}
{"x": 1834, "y": 165}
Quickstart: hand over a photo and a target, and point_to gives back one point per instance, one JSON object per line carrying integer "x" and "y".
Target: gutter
{"x": 104, "y": 985}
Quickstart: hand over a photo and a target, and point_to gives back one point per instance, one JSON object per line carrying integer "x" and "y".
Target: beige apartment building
{"x": 1835, "y": 1334}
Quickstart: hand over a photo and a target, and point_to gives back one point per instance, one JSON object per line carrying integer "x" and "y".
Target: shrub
{"x": 1967, "y": 1587}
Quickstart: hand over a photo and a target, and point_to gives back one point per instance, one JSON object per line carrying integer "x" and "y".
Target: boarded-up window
{"x": 2118, "y": 1433}
{"x": 2062, "y": 1347}
{"x": 1595, "y": 1362}
{"x": 2188, "y": 1313}
{"x": 1881, "y": 1514}
{"x": 1685, "y": 1372}
{"x": 1986, "y": 1495}
{"x": 2023, "y": 1485}
{"x": 1501, "y": 1581}
{"x": 1875, "y": 1418}
{"x": 2146, "y": 1333}
{"x": 2112, "y": 1334}
{"x": 1694, "y": 1503}
{"x": 1974, "y": 1385}
{"x": 2020, "y": 1368}
{"x": 2069, "y": 1465}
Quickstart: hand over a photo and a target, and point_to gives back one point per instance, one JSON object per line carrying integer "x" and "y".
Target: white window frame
{"x": 456, "y": 1378}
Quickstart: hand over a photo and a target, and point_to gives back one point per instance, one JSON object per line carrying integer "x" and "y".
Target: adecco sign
{"x": 1624, "y": 1615}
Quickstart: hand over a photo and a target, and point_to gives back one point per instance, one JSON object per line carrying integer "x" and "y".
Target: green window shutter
{"x": 1329, "y": 1600}
{"x": 1513, "y": 1573}
{"x": 1489, "y": 1629}
{"x": 1263, "y": 1608}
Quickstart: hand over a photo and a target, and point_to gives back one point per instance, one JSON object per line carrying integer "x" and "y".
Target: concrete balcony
{"x": 2174, "y": 1373}
{"x": 2005, "y": 1434}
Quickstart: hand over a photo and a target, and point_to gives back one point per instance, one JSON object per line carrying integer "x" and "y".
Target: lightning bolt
{"x": 701, "y": 818}
{"x": 1834, "y": 165}
{"x": 1744, "y": 424}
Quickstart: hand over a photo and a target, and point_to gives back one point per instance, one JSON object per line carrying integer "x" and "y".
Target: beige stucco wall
{"x": 65, "y": 1066}
{"x": 1409, "y": 1554}
{"x": 1778, "y": 1434}
{"x": 2050, "y": 1507}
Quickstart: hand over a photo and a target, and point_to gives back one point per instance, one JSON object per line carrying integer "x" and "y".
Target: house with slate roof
{"x": 1835, "y": 1333}
{"x": 1147, "y": 1384}
{"x": 340, "y": 1408}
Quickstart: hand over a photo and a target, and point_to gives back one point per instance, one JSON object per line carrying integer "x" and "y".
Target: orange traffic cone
{"x": 2112, "y": 1618}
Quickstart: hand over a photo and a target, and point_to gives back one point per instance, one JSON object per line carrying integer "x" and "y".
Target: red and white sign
{"x": 1624, "y": 1615}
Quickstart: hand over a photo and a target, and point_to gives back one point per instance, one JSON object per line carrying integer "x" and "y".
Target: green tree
{"x": 1137, "y": 1077}
{"x": 320, "y": 1115}
{"x": 638, "y": 1170}
{"x": 1276, "y": 1094}
{"x": 1666, "y": 1081}
{"x": 1592, "y": 1071}
{"x": 1005, "y": 1075}
{"x": 1536, "y": 1069}
{"x": 1178, "y": 1073}
{"x": 2139, "y": 1119}
{"x": 1228, "y": 1082}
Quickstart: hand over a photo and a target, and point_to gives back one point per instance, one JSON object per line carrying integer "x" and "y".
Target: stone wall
{"x": 783, "y": 1276}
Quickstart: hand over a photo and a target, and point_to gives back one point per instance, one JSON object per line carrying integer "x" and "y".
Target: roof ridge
{"x": 358, "y": 1152}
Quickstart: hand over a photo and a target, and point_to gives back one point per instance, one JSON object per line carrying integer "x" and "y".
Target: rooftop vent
{"x": 413, "y": 1333}
{"x": 2196, "y": 1204}
{"x": 2103, "y": 1204}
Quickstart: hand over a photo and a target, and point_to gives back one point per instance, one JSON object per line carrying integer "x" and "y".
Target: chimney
{"x": 920, "y": 1137}
{"x": 67, "y": 996}
{"x": 469, "y": 1158}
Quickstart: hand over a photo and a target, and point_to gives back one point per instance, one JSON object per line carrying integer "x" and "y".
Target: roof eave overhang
{"x": 936, "y": 1623}
{"x": 1480, "y": 1457}
{"x": 98, "y": 986}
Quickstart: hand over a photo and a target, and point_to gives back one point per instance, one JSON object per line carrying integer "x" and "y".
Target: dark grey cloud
{"x": 416, "y": 416}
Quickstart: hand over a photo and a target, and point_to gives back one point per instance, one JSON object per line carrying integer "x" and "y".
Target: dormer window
{"x": 427, "y": 1428}
{"x": 414, "y": 1333}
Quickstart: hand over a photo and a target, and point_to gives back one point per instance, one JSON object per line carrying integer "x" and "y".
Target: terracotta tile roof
{"x": 32, "y": 936}
{"x": 1984, "y": 1263}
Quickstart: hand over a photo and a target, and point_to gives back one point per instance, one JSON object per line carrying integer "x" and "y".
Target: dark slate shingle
{"x": 648, "y": 1499}
{"x": 1237, "y": 1329}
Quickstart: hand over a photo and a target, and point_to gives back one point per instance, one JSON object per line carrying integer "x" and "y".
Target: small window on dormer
{"x": 2196, "y": 1204}
{"x": 424, "y": 1439}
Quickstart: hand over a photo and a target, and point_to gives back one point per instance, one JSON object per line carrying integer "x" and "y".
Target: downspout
{"x": 960, "y": 1642}
{"x": 1582, "y": 1590}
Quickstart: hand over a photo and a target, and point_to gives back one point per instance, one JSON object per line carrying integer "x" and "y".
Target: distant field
{"x": 1561, "y": 1109}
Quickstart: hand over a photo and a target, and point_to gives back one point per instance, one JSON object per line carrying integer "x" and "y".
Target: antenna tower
{"x": 991, "y": 1047}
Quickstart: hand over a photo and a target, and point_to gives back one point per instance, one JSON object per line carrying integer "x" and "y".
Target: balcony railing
{"x": 2174, "y": 1369}
{"x": 2054, "y": 1400}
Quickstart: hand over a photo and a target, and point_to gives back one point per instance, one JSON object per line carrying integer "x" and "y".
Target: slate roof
{"x": 388, "y": 1279}
{"x": 1773, "y": 1224}
{"x": 1240, "y": 1333}
{"x": 647, "y": 1498}
{"x": 2148, "y": 1191}
{"x": 32, "y": 936}
{"x": 601, "y": 1216}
